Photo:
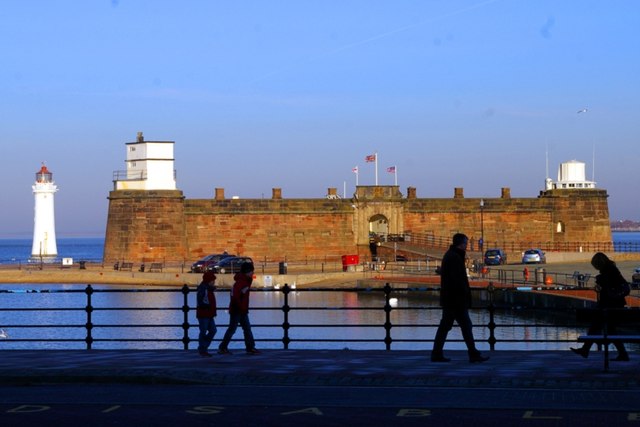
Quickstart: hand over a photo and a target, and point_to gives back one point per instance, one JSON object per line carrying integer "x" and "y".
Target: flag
{"x": 391, "y": 169}
{"x": 354, "y": 170}
{"x": 370, "y": 158}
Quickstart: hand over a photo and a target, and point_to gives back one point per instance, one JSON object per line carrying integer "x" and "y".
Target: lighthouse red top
{"x": 43, "y": 175}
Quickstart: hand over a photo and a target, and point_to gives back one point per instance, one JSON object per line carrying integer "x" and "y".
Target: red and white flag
{"x": 370, "y": 158}
{"x": 391, "y": 169}
{"x": 354, "y": 170}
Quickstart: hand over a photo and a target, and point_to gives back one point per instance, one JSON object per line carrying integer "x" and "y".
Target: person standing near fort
{"x": 206, "y": 312}
{"x": 455, "y": 299}
{"x": 239, "y": 310}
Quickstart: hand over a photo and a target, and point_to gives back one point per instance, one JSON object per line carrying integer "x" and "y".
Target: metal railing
{"x": 281, "y": 317}
{"x": 133, "y": 175}
{"x": 443, "y": 242}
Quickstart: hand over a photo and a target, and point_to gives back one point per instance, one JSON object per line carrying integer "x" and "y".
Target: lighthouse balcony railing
{"x": 136, "y": 175}
{"x": 130, "y": 175}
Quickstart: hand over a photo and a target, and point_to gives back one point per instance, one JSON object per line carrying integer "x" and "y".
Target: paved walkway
{"x": 506, "y": 369}
{"x": 315, "y": 387}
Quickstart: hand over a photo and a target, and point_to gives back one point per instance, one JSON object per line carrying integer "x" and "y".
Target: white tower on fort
{"x": 149, "y": 166}
{"x": 571, "y": 175}
{"x": 44, "y": 229}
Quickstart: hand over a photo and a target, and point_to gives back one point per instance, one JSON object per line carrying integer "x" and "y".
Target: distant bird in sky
{"x": 584, "y": 110}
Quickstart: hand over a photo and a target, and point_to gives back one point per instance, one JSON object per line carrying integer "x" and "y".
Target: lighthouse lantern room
{"x": 44, "y": 231}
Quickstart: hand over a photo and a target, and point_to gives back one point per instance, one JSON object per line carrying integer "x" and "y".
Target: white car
{"x": 533, "y": 256}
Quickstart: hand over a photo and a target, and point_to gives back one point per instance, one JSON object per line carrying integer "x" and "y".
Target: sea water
{"x": 18, "y": 251}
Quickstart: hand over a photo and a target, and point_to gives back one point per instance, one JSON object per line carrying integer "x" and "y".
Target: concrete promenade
{"x": 317, "y": 387}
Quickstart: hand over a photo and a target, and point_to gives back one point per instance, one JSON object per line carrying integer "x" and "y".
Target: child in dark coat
{"x": 206, "y": 312}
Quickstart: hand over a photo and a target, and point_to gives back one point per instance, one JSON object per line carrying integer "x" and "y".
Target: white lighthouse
{"x": 44, "y": 229}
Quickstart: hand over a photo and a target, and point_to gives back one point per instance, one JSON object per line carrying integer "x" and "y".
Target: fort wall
{"x": 162, "y": 225}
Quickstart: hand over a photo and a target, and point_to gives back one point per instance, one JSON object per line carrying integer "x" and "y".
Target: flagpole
{"x": 376, "y": 160}
{"x": 395, "y": 175}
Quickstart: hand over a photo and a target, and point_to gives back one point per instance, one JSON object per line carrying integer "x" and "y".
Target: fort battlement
{"x": 163, "y": 225}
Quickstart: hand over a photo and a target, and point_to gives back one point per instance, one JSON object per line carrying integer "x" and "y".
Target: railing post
{"x": 387, "y": 311}
{"x": 285, "y": 311}
{"x": 492, "y": 324}
{"x": 185, "y": 320}
{"x": 89, "y": 309}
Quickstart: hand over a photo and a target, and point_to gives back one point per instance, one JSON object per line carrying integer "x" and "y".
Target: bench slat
{"x": 609, "y": 338}
{"x": 621, "y": 315}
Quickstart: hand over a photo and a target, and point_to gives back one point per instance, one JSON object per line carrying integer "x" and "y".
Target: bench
{"x": 126, "y": 266}
{"x": 155, "y": 267}
{"x": 620, "y": 316}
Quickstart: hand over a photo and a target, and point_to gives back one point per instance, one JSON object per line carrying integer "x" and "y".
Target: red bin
{"x": 349, "y": 262}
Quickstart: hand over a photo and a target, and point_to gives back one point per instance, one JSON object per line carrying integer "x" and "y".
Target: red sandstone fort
{"x": 149, "y": 219}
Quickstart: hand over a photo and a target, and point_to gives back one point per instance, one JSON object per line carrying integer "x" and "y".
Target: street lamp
{"x": 481, "y": 243}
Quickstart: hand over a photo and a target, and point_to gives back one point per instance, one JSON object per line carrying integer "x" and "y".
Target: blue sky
{"x": 293, "y": 94}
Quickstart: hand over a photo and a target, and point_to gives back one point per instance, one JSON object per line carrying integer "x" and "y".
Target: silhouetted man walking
{"x": 455, "y": 299}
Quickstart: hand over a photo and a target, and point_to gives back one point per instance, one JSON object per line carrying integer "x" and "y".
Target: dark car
{"x": 635, "y": 278}
{"x": 229, "y": 264}
{"x": 200, "y": 266}
{"x": 495, "y": 257}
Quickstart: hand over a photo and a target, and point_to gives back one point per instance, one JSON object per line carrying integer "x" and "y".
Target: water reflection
{"x": 316, "y": 318}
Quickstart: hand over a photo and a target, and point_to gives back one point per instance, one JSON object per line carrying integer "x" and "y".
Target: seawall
{"x": 163, "y": 226}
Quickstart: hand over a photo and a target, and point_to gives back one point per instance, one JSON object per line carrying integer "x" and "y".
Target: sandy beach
{"x": 100, "y": 275}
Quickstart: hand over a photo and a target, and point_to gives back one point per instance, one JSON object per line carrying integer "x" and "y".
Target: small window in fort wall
{"x": 132, "y": 148}
{"x": 560, "y": 227}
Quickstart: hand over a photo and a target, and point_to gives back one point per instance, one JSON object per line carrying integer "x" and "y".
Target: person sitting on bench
{"x": 612, "y": 292}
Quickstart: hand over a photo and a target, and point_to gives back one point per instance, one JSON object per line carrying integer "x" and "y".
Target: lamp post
{"x": 481, "y": 243}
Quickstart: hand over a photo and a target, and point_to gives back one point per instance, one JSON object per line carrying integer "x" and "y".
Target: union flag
{"x": 391, "y": 169}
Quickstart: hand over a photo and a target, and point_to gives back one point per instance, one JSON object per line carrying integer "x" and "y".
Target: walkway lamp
{"x": 481, "y": 243}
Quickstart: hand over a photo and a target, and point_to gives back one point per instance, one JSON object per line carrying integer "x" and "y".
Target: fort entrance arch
{"x": 379, "y": 225}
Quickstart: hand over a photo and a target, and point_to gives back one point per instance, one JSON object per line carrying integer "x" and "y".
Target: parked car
{"x": 635, "y": 278}
{"x": 229, "y": 264}
{"x": 495, "y": 257}
{"x": 201, "y": 265}
{"x": 533, "y": 256}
